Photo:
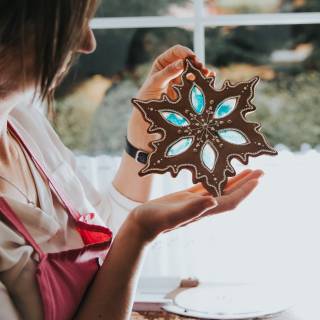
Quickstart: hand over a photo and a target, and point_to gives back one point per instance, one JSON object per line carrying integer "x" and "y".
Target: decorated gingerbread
{"x": 203, "y": 129}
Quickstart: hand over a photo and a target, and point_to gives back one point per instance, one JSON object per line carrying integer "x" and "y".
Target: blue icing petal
{"x": 197, "y": 99}
{"x": 208, "y": 156}
{"x": 175, "y": 118}
{"x": 232, "y": 136}
{"x": 225, "y": 108}
{"x": 179, "y": 147}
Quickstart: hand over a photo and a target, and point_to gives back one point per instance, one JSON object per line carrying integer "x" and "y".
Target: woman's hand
{"x": 165, "y": 72}
{"x": 181, "y": 208}
{"x": 112, "y": 291}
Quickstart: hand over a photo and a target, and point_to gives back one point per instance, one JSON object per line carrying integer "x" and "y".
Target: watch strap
{"x": 139, "y": 155}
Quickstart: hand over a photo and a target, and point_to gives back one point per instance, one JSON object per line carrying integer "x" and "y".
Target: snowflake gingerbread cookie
{"x": 203, "y": 129}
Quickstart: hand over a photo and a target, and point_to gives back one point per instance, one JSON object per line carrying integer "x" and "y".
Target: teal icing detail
{"x": 208, "y": 156}
{"x": 175, "y": 118}
{"x": 224, "y": 108}
{"x": 197, "y": 99}
{"x": 179, "y": 147}
{"x": 232, "y": 136}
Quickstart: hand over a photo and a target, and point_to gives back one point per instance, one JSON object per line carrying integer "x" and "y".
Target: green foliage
{"x": 287, "y": 106}
{"x": 148, "y": 43}
{"x": 309, "y": 6}
{"x": 289, "y": 110}
{"x": 252, "y": 44}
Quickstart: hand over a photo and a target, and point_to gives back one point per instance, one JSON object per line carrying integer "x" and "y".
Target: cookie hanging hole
{"x": 190, "y": 76}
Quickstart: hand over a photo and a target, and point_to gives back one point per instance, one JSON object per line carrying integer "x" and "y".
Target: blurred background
{"x": 273, "y": 236}
{"x": 93, "y": 104}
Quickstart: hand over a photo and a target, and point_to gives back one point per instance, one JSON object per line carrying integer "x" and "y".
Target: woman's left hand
{"x": 165, "y": 72}
{"x": 181, "y": 208}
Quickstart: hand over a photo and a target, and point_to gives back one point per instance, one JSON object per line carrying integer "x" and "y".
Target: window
{"x": 277, "y": 40}
{"x": 274, "y": 234}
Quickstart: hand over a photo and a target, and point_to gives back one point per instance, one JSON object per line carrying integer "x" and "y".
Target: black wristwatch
{"x": 139, "y": 155}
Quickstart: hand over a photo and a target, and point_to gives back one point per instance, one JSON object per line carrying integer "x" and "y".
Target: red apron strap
{"x": 15, "y": 222}
{"x": 60, "y": 194}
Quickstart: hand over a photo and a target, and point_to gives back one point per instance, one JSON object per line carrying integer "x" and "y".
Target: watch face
{"x": 230, "y": 301}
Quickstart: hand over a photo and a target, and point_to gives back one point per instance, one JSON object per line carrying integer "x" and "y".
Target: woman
{"x": 48, "y": 238}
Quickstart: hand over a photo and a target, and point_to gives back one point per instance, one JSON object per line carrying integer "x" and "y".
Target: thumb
{"x": 164, "y": 76}
{"x": 195, "y": 208}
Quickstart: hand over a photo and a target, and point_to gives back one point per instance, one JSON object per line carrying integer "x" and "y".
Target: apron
{"x": 63, "y": 277}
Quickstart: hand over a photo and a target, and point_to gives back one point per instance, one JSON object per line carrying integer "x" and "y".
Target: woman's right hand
{"x": 181, "y": 208}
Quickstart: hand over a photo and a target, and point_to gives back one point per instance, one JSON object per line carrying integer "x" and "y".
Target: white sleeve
{"x": 120, "y": 207}
{"x": 7, "y": 310}
{"x": 112, "y": 206}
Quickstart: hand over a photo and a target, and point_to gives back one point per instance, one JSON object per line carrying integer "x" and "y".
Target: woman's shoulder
{"x": 61, "y": 164}
{"x": 32, "y": 119}
{"x": 33, "y": 126}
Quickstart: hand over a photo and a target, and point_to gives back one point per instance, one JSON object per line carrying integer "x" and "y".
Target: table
{"x": 157, "y": 316}
{"x": 289, "y": 315}
{"x": 306, "y": 308}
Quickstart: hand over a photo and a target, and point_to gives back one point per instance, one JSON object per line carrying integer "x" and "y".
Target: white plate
{"x": 230, "y": 301}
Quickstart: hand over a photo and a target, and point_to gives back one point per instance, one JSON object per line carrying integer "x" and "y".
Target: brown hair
{"x": 45, "y": 31}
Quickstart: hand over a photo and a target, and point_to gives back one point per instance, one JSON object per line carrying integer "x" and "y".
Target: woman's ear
{"x": 89, "y": 43}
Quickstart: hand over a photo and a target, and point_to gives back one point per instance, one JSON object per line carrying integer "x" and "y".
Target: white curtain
{"x": 274, "y": 235}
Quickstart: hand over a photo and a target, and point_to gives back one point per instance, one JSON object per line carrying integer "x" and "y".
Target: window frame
{"x": 199, "y": 21}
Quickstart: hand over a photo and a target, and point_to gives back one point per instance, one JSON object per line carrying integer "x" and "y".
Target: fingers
{"x": 231, "y": 181}
{"x": 211, "y": 74}
{"x": 170, "y": 72}
{"x": 245, "y": 178}
{"x": 197, "y": 211}
{"x": 202, "y": 204}
{"x": 221, "y": 204}
{"x": 225, "y": 203}
{"x": 174, "y": 53}
{"x": 163, "y": 77}
{"x": 205, "y": 71}
{"x": 195, "y": 187}
{"x": 231, "y": 201}
{"x": 239, "y": 176}
{"x": 169, "y": 65}
{"x": 191, "y": 209}
{"x": 179, "y": 52}
{"x": 199, "y": 189}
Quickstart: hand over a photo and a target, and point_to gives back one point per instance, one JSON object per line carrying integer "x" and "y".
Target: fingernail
{"x": 189, "y": 50}
{"x": 179, "y": 64}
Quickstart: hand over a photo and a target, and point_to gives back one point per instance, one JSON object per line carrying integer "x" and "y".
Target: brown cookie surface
{"x": 203, "y": 129}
